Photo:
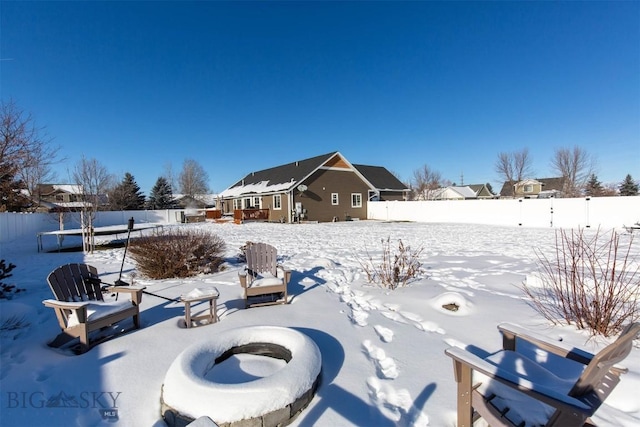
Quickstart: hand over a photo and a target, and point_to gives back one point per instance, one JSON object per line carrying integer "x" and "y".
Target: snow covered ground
{"x": 383, "y": 361}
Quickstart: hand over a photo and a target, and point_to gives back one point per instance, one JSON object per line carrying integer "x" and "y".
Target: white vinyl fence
{"x": 605, "y": 212}
{"x": 26, "y": 225}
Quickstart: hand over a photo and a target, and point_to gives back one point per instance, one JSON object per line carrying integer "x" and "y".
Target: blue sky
{"x": 244, "y": 86}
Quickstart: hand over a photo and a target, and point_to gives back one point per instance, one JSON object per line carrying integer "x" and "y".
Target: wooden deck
{"x": 243, "y": 215}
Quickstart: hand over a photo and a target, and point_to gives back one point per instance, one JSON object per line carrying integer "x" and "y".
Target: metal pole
{"x": 129, "y": 228}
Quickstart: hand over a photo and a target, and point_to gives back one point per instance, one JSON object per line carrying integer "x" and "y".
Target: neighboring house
{"x": 199, "y": 201}
{"x": 463, "y": 192}
{"x": 323, "y": 188}
{"x": 455, "y": 193}
{"x": 56, "y": 197}
{"x": 533, "y": 188}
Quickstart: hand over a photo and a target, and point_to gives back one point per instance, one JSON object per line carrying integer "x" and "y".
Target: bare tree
{"x": 93, "y": 183}
{"x": 36, "y": 171}
{"x": 515, "y": 166}
{"x": 170, "y": 176}
{"x": 26, "y": 155}
{"x": 193, "y": 179}
{"x": 425, "y": 182}
{"x": 575, "y": 166}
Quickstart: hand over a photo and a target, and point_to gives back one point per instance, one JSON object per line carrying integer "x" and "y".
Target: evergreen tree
{"x": 126, "y": 195}
{"x": 11, "y": 199}
{"x": 594, "y": 187}
{"x": 161, "y": 196}
{"x": 490, "y": 188}
{"x": 628, "y": 187}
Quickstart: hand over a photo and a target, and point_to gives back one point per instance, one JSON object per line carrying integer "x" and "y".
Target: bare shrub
{"x": 13, "y": 323}
{"x": 592, "y": 282}
{"x": 177, "y": 252}
{"x": 395, "y": 269}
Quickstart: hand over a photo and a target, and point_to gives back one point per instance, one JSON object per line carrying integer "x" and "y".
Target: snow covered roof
{"x": 465, "y": 191}
{"x": 454, "y": 192}
{"x": 286, "y": 177}
{"x": 277, "y": 179}
{"x": 68, "y": 188}
{"x": 46, "y": 189}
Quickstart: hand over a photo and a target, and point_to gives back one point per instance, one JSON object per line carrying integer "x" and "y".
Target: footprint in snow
{"x": 43, "y": 374}
{"x": 396, "y": 317}
{"x": 428, "y": 326}
{"x": 392, "y": 307}
{"x": 385, "y": 366}
{"x": 359, "y": 317}
{"x": 411, "y": 316}
{"x": 337, "y": 289}
{"x": 385, "y": 334}
{"x": 397, "y": 405}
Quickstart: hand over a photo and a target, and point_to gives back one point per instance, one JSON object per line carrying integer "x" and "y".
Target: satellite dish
{"x": 302, "y": 188}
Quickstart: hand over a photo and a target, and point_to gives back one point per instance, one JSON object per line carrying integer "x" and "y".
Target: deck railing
{"x": 251, "y": 215}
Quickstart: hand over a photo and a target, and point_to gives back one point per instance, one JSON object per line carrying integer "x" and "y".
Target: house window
{"x": 528, "y": 188}
{"x": 59, "y": 198}
{"x": 256, "y": 202}
{"x": 237, "y": 204}
{"x": 277, "y": 201}
{"x": 356, "y": 200}
{"x": 247, "y": 203}
{"x": 334, "y": 199}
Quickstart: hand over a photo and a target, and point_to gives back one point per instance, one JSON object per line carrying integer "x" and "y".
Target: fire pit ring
{"x": 275, "y": 399}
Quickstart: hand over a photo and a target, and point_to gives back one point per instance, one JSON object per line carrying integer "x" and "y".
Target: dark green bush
{"x": 177, "y": 252}
{"x": 7, "y": 291}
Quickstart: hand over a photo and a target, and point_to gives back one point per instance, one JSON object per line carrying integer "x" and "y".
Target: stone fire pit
{"x": 289, "y": 383}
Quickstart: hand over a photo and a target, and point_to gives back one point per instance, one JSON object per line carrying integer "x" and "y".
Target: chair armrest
{"x": 135, "y": 292}
{"x": 243, "y": 277}
{"x": 64, "y": 305}
{"x": 511, "y": 379}
{"x": 79, "y": 309}
{"x": 511, "y": 332}
{"x": 286, "y": 273}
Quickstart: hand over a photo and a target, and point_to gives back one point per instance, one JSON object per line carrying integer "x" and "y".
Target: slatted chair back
{"x": 261, "y": 258}
{"x": 75, "y": 282}
{"x": 597, "y": 376}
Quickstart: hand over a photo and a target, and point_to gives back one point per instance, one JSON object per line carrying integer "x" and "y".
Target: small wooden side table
{"x": 198, "y": 295}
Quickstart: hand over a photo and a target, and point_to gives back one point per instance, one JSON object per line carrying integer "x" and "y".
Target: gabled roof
{"x": 380, "y": 178}
{"x": 288, "y": 176}
{"x": 549, "y": 184}
{"x": 279, "y": 178}
{"x": 507, "y": 189}
{"x": 479, "y": 188}
{"x": 464, "y": 191}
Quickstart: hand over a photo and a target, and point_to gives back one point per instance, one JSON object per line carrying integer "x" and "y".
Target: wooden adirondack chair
{"x": 562, "y": 387}
{"x": 80, "y": 306}
{"x": 263, "y": 280}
